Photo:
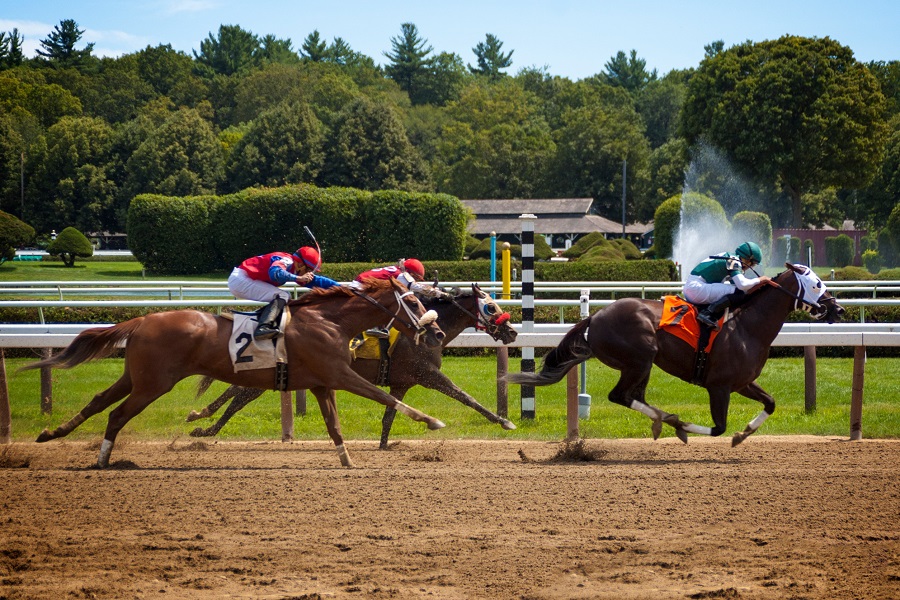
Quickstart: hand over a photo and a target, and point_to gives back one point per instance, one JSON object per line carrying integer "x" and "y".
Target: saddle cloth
{"x": 369, "y": 348}
{"x": 246, "y": 352}
{"x": 679, "y": 318}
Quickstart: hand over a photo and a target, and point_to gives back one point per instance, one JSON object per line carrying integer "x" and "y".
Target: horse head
{"x": 493, "y": 319}
{"x": 812, "y": 296}
{"x": 420, "y": 322}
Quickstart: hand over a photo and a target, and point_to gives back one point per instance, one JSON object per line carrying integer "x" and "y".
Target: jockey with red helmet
{"x": 408, "y": 271}
{"x": 259, "y": 278}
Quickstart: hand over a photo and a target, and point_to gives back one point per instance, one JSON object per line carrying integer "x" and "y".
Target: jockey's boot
{"x": 267, "y": 326}
{"x": 378, "y": 332}
{"x": 710, "y": 315}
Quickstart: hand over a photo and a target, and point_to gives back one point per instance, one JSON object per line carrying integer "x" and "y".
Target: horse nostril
{"x": 440, "y": 335}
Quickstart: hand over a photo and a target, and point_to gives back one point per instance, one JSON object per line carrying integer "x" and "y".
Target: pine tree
{"x": 59, "y": 47}
{"x": 491, "y": 58}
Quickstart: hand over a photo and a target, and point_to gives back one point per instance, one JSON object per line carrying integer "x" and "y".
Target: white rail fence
{"x": 214, "y": 294}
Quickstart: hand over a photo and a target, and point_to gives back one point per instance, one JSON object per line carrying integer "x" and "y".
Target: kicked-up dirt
{"x": 777, "y": 517}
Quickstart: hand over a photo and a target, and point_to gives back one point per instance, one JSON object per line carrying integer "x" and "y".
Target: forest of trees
{"x": 812, "y": 134}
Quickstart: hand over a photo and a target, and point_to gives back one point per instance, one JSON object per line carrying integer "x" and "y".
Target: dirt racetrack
{"x": 777, "y": 517}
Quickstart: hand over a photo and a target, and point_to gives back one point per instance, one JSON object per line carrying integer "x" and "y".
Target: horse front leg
{"x": 437, "y": 380}
{"x": 211, "y": 408}
{"x": 242, "y": 397}
{"x": 387, "y": 421}
{"x": 754, "y": 392}
{"x": 328, "y": 406}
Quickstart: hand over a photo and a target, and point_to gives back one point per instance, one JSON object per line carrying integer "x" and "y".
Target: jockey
{"x": 408, "y": 271}
{"x": 259, "y": 278}
{"x": 706, "y": 283}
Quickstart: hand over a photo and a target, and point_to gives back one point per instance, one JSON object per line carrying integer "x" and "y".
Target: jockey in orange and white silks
{"x": 260, "y": 278}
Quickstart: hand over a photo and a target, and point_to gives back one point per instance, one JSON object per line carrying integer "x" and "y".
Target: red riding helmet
{"x": 310, "y": 257}
{"x": 414, "y": 267}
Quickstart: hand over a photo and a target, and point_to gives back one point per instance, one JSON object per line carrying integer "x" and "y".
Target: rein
{"x": 412, "y": 324}
{"x": 799, "y": 298}
{"x": 481, "y": 322}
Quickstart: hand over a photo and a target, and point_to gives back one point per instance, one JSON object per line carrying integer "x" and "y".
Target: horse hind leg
{"x": 139, "y": 399}
{"x": 100, "y": 402}
{"x": 629, "y": 391}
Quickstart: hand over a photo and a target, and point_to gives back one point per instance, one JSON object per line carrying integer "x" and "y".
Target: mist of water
{"x": 701, "y": 234}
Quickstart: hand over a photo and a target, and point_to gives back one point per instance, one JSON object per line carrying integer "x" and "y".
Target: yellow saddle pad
{"x": 368, "y": 347}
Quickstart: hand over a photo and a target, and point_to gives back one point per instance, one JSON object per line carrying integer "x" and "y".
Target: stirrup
{"x": 264, "y": 332}
{"x": 378, "y": 332}
{"x": 708, "y": 321}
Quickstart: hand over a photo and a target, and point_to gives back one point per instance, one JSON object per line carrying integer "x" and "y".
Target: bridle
{"x": 491, "y": 326}
{"x": 412, "y": 322}
{"x": 816, "y": 308}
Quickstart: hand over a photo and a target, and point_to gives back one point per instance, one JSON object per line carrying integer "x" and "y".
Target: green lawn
{"x": 361, "y": 418}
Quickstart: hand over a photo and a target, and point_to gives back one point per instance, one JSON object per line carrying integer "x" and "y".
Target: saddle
{"x": 679, "y": 318}
{"x": 368, "y": 347}
{"x": 248, "y": 353}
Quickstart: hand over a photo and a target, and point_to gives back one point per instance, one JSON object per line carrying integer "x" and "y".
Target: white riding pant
{"x": 243, "y": 287}
{"x": 698, "y": 291}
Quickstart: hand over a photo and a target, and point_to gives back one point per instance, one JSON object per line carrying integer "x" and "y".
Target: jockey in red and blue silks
{"x": 408, "y": 271}
{"x": 259, "y": 278}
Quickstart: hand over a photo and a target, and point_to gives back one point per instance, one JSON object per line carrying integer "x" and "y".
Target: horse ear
{"x": 791, "y": 267}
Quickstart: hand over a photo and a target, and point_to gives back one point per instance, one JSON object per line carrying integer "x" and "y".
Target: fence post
{"x": 809, "y": 363}
{"x": 287, "y": 417}
{"x": 572, "y": 432}
{"x": 502, "y": 386}
{"x": 528, "y": 403}
{"x": 46, "y": 384}
{"x": 5, "y": 412}
{"x": 856, "y": 397}
{"x": 300, "y": 402}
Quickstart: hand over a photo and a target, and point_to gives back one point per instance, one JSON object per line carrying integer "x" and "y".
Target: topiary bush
{"x": 13, "y": 232}
{"x": 840, "y": 250}
{"x": 69, "y": 244}
{"x": 584, "y": 243}
{"x": 750, "y": 226}
{"x": 871, "y": 261}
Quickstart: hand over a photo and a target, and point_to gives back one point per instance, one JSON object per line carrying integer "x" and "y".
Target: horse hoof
{"x": 45, "y": 436}
{"x": 199, "y": 432}
{"x": 193, "y": 416}
{"x": 737, "y": 438}
{"x": 507, "y": 424}
{"x": 656, "y": 428}
{"x": 682, "y": 435}
{"x": 436, "y": 424}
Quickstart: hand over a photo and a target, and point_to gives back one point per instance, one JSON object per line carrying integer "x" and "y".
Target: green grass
{"x": 361, "y": 418}
{"x": 93, "y": 270}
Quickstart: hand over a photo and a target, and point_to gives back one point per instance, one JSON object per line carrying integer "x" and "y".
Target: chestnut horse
{"x": 410, "y": 364}
{"x": 164, "y": 348}
{"x": 624, "y": 336}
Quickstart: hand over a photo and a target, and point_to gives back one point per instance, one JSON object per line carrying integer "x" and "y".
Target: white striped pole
{"x": 528, "y": 407}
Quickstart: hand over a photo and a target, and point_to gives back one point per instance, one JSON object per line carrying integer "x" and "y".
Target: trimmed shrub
{"x": 68, "y": 244}
{"x": 13, "y": 232}
{"x": 809, "y": 250}
{"x": 584, "y": 244}
{"x": 749, "y": 226}
{"x": 840, "y": 250}
{"x": 627, "y": 248}
{"x": 871, "y": 261}
{"x": 889, "y": 254}
{"x": 780, "y": 253}
{"x": 665, "y": 224}
{"x": 602, "y": 252}
{"x": 173, "y": 236}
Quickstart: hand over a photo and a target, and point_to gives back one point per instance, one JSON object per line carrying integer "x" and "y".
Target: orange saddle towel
{"x": 680, "y": 319}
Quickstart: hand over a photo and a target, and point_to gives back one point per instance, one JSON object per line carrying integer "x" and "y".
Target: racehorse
{"x": 164, "y": 348}
{"x": 410, "y": 364}
{"x": 625, "y": 336}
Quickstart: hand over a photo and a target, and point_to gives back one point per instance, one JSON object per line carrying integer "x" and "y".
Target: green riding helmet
{"x": 749, "y": 251}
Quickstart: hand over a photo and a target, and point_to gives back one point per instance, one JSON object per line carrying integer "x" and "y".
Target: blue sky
{"x": 572, "y": 38}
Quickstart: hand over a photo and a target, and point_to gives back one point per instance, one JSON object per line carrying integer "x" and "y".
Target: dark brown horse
{"x": 164, "y": 348}
{"x": 624, "y": 336}
{"x": 410, "y": 364}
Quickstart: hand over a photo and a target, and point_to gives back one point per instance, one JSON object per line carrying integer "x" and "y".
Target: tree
{"x": 170, "y": 73}
{"x": 409, "y": 62}
{"x": 284, "y": 145}
{"x": 275, "y": 50}
{"x": 444, "y": 81}
{"x": 59, "y": 47}
{"x": 11, "y": 54}
{"x": 874, "y": 204}
{"x": 69, "y": 244}
{"x": 13, "y": 232}
{"x": 183, "y": 157}
{"x": 659, "y": 104}
{"x": 233, "y": 50}
{"x": 314, "y": 49}
{"x": 370, "y": 150}
{"x": 798, "y": 112}
{"x": 629, "y": 72}
{"x": 70, "y": 183}
{"x": 491, "y": 58}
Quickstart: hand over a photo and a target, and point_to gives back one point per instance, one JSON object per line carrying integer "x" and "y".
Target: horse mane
{"x": 320, "y": 295}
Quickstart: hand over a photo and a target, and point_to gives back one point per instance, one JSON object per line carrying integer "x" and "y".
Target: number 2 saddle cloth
{"x": 679, "y": 318}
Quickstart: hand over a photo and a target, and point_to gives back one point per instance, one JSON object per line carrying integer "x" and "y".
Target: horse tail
{"x": 203, "y": 385}
{"x": 90, "y": 344}
{"x": 571, "y": 351}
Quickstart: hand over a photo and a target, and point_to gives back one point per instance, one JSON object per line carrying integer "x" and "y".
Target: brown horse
{"x": 164, "y": 348}
{"x": 410, "y": 364}
{"x": 624, "y": 336}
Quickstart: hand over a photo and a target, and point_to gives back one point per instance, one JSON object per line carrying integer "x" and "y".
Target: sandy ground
{"x": 777, "y": 517}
